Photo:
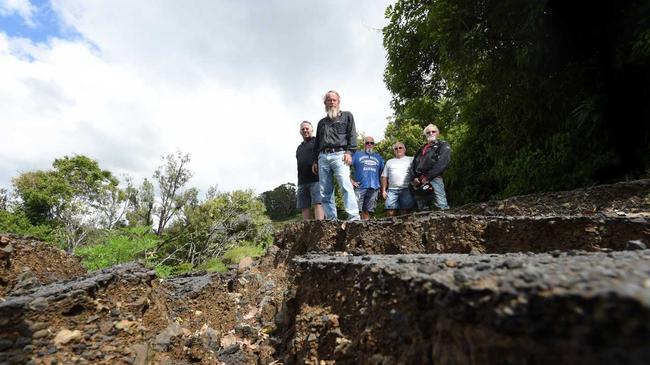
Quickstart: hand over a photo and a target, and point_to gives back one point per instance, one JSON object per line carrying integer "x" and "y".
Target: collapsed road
{"x": 559, "y": 277}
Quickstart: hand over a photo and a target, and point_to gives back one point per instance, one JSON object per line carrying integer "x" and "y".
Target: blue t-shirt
{"x": 367, "y": 169}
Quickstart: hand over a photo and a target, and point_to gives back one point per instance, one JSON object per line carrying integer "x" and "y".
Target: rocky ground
{"x": 124, "y": 315}
{"x": 558, "y": 308}
{"x": 548, "y": 278}
{"x": 27, "y": 263}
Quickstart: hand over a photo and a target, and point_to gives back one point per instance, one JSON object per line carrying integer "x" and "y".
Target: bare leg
{"x": 306, "y": 213}
{"x": 390, "y": 212}
{"x": 365, "y": 215}
{"x": 319, "y": 212}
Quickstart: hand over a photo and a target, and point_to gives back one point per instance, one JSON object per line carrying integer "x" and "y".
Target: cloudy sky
{"x": 125, "y": 82}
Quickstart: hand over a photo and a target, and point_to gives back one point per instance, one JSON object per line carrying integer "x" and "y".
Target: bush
{"x": 215, "y": 226}
{"x": 18, "y": 223}
{"x": 120, "y": 246}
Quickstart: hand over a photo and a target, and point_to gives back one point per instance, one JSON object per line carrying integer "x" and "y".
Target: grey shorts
{"x": 308, "y": 195}
{"x": 367, "y": 199}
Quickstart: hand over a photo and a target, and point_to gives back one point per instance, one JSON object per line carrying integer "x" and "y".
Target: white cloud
{"x": 227, "y": 82}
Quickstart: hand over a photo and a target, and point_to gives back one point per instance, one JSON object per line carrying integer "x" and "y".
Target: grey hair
{"x": 332, "y": 91}
{"x": 430, "y": 126}
{"x": 306, "y": 121}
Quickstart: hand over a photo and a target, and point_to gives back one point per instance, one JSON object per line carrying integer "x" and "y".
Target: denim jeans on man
{"x": 331, "y": 165}
{"x": 424, "y": 203}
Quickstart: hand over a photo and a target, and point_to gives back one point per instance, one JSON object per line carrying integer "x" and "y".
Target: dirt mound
{"x": 27, "y": 263}
{"x": 630, "y": 198}
{"x": 123, "y": 315}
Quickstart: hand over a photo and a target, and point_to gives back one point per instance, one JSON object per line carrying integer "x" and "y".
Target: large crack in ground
{"x": 548, "y": 278}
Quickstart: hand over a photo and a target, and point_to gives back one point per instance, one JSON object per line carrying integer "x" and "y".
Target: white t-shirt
{"x": 396, "y": 170}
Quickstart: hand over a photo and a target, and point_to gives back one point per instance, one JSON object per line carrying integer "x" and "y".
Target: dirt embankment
{"x": 547, "y": 278}
{"x": 124, "y": 315}
{"x": 559, "y": 308}
{"x": 27, "y": 263}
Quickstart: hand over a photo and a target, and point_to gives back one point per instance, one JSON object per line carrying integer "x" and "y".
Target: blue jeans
{"x": 424, "y": 203}
{"x": 331, "y": 165}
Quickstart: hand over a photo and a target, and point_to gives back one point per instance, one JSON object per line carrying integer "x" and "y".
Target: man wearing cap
{"x": 426, "y": 171}
{"x": 308, "y": 193}
{"x": 336, "y": 141}
{"x": 367, "y": 166}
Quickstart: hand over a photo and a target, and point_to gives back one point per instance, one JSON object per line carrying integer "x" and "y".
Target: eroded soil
{"x": 453, "y": 302}
{"x": 124, "y": 315}
{"x": 26, "y": 263}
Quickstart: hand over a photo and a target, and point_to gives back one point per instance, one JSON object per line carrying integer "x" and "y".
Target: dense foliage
{"x": 71, "y": 198}
{"x": 211, "y": 228}
{"x": 533, "y": 95}
{"x": 83, "y": 209}
{"x": 118, "y": 246}
{"x": 280, "y": 202}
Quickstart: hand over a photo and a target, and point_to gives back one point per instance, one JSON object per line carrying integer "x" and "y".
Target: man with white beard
{"x": 336, "y": 141}
{"x": 425, "y": 173}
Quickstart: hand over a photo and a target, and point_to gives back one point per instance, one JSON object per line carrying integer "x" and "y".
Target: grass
{"x": 236, "y": 254}
{"x": 215, "y": 264}
{"x": 279, "y": 224}
{"x": 232, "y": 256}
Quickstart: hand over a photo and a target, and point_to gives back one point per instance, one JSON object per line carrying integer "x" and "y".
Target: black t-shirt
{"x": 304, "y": 157}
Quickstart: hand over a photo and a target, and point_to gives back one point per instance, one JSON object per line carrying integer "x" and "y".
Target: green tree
{"x": 43, "y": 195}
{"x": 84, "y": 176}
{"x": 533, "y": 95}
{"x": 280, "y": 202}
{"x": 141, "y": 202}
{"x": 408, "y": 132}
{"x": 112, "y": 205}
{"x": 4, "y": 199}
{"x": 69, "y": 197}
{"x": 172, "y": 178}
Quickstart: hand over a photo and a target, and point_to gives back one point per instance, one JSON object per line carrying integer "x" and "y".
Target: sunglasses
{"x": 370, "y": 143}
{"x": 398, "y": 148}
{"x": 431, "y": 132}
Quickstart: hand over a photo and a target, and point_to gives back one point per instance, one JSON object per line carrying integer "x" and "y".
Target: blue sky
{"x": 43, "y": 23}
{"x": 125, "y": 82}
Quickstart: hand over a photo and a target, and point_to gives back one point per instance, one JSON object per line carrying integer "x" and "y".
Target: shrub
{"x": 120, "y": 246}
{"x": 18, "y": 223}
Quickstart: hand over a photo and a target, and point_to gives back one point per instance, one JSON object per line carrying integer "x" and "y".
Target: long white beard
{"x": 332, "y": 113}
{"x": 431, "y": 139}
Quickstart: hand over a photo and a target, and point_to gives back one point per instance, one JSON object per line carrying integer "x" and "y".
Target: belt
{"x": 332, "y": 150}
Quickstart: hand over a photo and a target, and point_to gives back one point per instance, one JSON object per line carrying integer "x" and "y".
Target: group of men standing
{"x": 404, "y": 182}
